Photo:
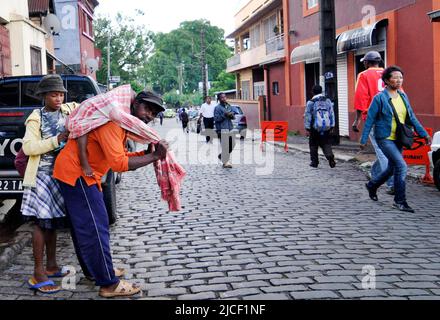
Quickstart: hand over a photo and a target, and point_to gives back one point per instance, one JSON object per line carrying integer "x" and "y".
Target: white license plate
{"x": 11, "y": 185}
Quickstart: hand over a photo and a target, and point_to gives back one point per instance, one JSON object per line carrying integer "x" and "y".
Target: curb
{"x": 300, "y": 148}
{"x": 20, "y": 241}
{"x": 364, "y": 166}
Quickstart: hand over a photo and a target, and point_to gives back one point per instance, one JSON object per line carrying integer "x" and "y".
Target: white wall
{"x": 9, "y": 8}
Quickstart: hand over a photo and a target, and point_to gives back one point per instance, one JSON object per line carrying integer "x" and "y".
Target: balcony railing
{"x": 233, "y": 61}
{"x": 275, "y": 44}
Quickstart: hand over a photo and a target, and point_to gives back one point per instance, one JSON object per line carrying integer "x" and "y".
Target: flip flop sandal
{"x": 124, "y": 289}
{"x": 33, "y": 285}
{"x": 59, "y": 274}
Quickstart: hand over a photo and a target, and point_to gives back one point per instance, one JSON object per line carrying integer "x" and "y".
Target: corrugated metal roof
{"x": 38, "y": 6}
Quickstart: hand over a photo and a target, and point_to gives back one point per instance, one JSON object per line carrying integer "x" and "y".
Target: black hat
{"x": 50, "y": 83}
{"x": 151, "y": 98}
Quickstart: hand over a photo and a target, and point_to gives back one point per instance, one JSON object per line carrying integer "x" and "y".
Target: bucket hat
{"x": 151, "y": 98}
{"x": 50, "y": 83}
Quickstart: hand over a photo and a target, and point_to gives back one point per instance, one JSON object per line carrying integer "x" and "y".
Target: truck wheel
{"x": 109, "y": 192}
{"x": 437, "y": 174}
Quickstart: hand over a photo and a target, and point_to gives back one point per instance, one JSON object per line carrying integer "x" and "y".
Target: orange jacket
{"x": 106, "y": 150}
{"x": 369, "y": 84}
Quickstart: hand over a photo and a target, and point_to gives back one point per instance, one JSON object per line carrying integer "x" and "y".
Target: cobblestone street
{"x": 298, "y": 233}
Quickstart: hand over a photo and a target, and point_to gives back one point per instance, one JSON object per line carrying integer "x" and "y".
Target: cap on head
{"x": 50, "y": 83}
{"x": 372, "y": 56}
{"x": 152, "y": 99}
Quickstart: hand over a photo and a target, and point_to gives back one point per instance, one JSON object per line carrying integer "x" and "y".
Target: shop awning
{"x": 435, "y": 16}
{"x": 307, "y": 53}
{"x": 360, "y": 38}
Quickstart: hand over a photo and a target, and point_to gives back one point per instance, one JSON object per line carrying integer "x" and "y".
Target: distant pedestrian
{"x": 161, "y": 115}
{"x": 185, "y": 119}
{"x": 369, "y": 84}
{"x": 389, "y": 112}
{"x": 319, "y": 120}
{"x": 207, "y": 114}
{"x": 223, "y": 117}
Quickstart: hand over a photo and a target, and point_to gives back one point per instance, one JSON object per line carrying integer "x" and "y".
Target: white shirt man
{"x": 207, "y": 112}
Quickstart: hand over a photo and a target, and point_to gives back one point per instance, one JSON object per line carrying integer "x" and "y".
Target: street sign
{"x": 275, "y": 131}
{"x": 418, "y": 155}
{"x": 115, "y": 79}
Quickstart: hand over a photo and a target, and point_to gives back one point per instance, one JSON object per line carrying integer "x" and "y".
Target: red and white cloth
{"x": 115, "y": 106}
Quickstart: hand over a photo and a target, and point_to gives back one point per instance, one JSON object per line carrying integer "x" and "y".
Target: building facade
{"x": 405, "y": 32}
{"x": 23, "y": 42}
{"x": 260, "y": 55}
{"x": 75, "y": 44}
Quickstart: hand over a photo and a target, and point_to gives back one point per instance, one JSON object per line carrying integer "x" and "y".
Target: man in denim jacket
{"x": 223, "y": 116}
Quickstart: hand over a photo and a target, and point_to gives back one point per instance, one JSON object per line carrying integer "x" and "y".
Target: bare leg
{"x": 38, "y": 243}
{"x": 50, "y": 237}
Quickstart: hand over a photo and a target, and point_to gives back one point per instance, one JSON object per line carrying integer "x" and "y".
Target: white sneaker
{"x": 227, "y": 165}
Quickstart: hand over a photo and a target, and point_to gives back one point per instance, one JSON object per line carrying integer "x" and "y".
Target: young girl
{"x": 42, "y": 200}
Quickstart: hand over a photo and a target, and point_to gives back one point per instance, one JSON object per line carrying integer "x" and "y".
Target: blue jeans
{"x": 396, "y": 166}
{"x": 381, "y": 163}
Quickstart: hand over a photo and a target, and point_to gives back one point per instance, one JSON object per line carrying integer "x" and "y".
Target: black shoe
{"x": 403, "y": 207}
{"x": 391, "y": 191}
{"x": 332, "y": 163}
{"x": 314, "y": 165}
{"x": 372, "y": 193}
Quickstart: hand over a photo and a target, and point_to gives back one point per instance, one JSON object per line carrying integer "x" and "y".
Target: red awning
{"x": 37, "y": 7}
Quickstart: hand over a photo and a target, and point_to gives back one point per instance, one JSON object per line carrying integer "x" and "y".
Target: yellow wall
{"x": 23, "y": 35}
{"x": 248, "y": 10}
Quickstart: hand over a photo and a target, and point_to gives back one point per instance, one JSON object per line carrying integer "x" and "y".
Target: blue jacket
{"x": 221, "y": 121}
{"x": 380, "y": 116}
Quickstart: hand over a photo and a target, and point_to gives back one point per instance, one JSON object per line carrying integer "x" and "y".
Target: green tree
{"x": 183, "y": 46}
{"x": 130, "y": 47}
{"x": 225, "y": 81}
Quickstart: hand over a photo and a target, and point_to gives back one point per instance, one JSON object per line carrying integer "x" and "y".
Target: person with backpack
{"x": 319, "y": 120}
{"x": 185, "y": 119}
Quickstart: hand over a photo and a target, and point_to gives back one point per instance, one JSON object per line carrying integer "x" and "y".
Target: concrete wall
{"x": 23, "y": 35}
{"x": 9, "y": 8}
{"x": 276, "y": 102}
{"x": 5, "y": 52}
{"x": 67, "y": 44}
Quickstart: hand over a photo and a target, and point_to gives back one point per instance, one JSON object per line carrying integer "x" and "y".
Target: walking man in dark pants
{"x": 207, "y": 113}
{"x": 223, "y": 116}
{"x": 319, "y": 120}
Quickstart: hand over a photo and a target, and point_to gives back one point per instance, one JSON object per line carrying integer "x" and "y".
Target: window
{"x": 311, "y": 4}
{"x": 87, "y": 25}
{"x": 9, "y": 94}
{"x": 245, "y": 90}
{"x": 36, "y": 68}
{"x": 259, "y": 89}
{"x": 78, "y": 91}
{"x": 255, "y": 36}
{"x": 310, "y": 7}
{"x": 28, "y": 96}
{"x": 269, "y": 27}
{"x": 275, "y": 88}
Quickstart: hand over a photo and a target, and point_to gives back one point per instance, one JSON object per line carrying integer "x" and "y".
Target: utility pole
{"x": 203, "y": 62}
{"x": 108, "y": 62}
{"x": 180, "y": 69}
{"x": 327, "y": 42}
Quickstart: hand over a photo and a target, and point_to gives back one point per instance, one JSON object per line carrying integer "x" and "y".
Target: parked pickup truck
{"x": 434, "y": 155}
{"x": 17, "y": 101}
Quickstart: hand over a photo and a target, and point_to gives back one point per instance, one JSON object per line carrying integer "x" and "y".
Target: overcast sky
{"x": 166, "y": 15}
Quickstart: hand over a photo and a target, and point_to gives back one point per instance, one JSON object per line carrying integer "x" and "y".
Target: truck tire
{"x": 109, "y": 193}
{"x": 437, "y": 174}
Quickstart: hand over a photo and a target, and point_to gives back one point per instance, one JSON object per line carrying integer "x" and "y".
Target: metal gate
{"x": 343, "y": 95}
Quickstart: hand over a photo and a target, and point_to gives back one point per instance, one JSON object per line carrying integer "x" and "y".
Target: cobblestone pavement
{"x": 295, "y": 234}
